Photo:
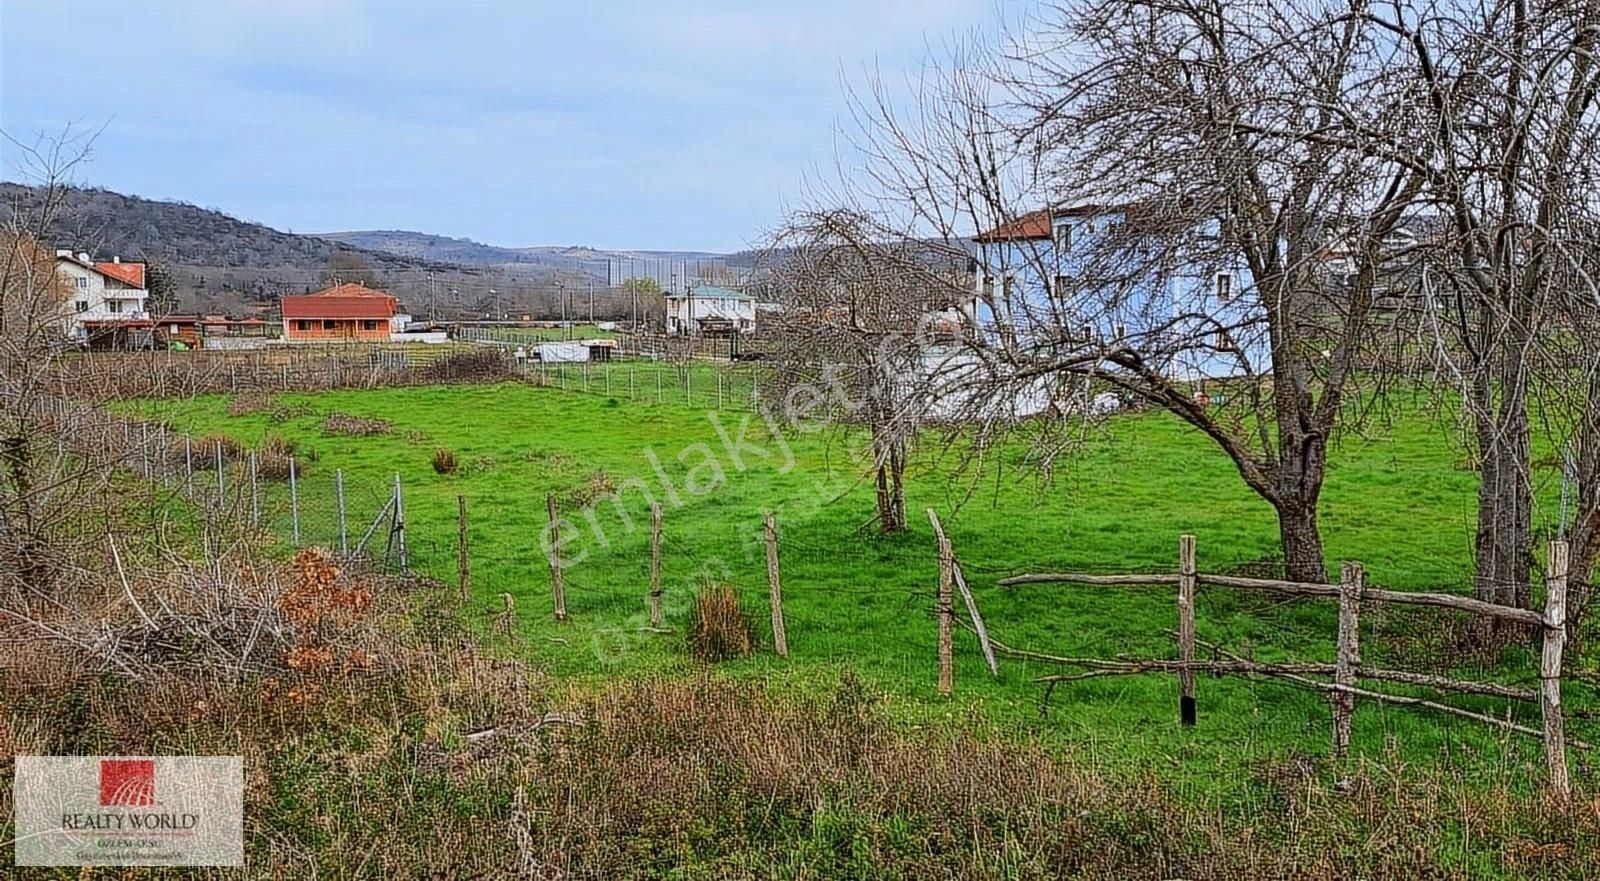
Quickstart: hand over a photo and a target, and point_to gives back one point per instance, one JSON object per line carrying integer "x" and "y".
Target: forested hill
{"x": 223, "y": 264}
{"x": 107, "y": 223}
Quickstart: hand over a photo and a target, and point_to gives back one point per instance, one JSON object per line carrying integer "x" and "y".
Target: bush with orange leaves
{"x": 329, "y": 610}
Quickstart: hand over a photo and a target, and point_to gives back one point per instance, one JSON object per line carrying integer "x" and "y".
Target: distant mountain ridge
{"x": 603, "y": 264}
{"x": 224, "y": 264}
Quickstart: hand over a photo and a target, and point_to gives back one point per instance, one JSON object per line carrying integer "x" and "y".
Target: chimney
{"x": 63, "y": 252}
{"x": 116, "y": 259}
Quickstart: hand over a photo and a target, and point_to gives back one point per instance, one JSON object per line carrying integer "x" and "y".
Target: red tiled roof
{"x": 127, "y": 273}
{"x": 350, "y": 290}
{"x": 1033, "y": 226}
{"x": 340, "y": 302}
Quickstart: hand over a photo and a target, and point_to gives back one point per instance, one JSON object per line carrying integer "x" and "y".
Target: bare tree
{"x": 38, "y": 479}
{"x": 1185, "y": 142}
{"x": 1508, "y": 91}
{"x": 858, "y": 305}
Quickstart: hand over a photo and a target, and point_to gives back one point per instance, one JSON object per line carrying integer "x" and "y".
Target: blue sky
{"x": 615, "y": 124}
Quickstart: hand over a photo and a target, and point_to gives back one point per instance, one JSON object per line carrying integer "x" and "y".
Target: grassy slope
{"x": 1399, "y": 504}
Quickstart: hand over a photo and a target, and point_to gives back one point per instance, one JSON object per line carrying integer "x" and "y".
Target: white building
{"x": 710, "y": 309}
{"x": 102, "y": 296}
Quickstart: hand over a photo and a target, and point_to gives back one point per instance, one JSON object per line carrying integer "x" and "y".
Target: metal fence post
{"x": 344, "y": 537}
{"x": 400, "y": 524}
{"x": 294, "y": 502}
{"x": 255, "y": 495}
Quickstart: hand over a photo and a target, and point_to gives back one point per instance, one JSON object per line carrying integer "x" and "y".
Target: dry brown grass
{"x": 719, "y": 630}
{"x": 354, "y": 426}
{"x": 380, "y": 739}
{"x": 444, "y": 461}
{"x": 247, "y": 403}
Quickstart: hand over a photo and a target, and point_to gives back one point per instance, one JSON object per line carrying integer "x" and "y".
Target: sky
{"x": 616, "y": 124}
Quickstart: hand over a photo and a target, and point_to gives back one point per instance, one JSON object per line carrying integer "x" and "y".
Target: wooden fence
{"x": 1340, "y": 680}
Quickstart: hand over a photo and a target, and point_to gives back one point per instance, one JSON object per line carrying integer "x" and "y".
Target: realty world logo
{"x": 130, "y": 782}
{"x": 129, "y": 811}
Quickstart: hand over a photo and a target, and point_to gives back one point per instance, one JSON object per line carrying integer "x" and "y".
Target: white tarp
{"x": 563, "y": 353}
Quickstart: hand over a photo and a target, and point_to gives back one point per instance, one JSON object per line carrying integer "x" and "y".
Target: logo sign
{"x": 129, "y": 811}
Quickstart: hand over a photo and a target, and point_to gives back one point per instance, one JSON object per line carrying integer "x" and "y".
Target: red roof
{"x": 127, "y": 273}
{"x": 1029, "y": 227}
{"x": 342, "y": 301}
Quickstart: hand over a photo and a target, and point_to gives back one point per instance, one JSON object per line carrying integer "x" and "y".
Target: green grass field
{"x": 1399, "y": 500}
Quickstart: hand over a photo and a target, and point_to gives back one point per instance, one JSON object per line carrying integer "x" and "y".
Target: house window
{"x": 329, "y": 325}
{"x": 1224, "y": 287}
{"x": 113, "y": 305}
{"x": 1061, "y": 285}
{"x": 83, "y": 283}
{"x": 82, "y": 305}
{"x": 1122, "y": 332}
{"x": 1063, "y": 237}
{"x": 369, "y": 324}
{"x": 302, "y": 325}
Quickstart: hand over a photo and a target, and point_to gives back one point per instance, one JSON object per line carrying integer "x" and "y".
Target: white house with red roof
{"x": 102, "y": 296}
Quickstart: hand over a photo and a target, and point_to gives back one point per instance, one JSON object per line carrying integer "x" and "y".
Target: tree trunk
{"x": 1302, "y": 543}
{"x": 891, "y": 490}
{"x": 1584, "y": 538}
{"x": 1503, "y": 555}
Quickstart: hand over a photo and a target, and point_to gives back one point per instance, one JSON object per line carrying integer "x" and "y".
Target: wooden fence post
{"x": 222, "y": 488}
{"x": 966, "y": 595}
{"x": 1555, "y": 638}
{"x": 946, "y": 611}
{"x": 558, "y": 592}
{"x": 1352, "y": 581}
{"x": 655, "y": 565}
{"x": 1187, "y": 578}
{"x": 463, "y": 563}
{"x": 780, "y": 637}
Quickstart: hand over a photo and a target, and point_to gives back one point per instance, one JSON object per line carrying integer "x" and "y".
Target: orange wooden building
{"x": 340, "y": 313}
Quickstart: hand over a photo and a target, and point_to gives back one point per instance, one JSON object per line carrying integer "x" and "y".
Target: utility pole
{"x": 561, "y": 292}
{"x": 591, "y": 301}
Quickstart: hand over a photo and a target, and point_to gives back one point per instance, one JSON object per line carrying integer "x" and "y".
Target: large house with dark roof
{"x": 345, "y": 312}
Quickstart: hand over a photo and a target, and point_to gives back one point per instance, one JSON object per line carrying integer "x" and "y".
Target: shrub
{"x": 478, "y": 365}
{"x": 444, "y": 461}
{"x": 204, "y": 451}
{"x": 272, "y": 460}
{"x": 720, "y": 630}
